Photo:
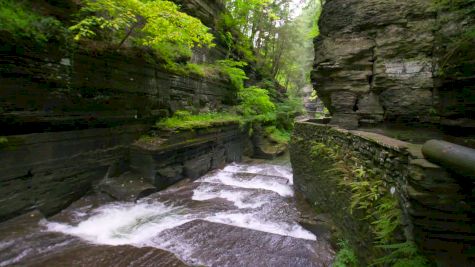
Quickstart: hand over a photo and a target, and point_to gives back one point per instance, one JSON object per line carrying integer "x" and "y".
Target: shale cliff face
{"x": 385, "y": 60}
{"x": 68, "y": 118}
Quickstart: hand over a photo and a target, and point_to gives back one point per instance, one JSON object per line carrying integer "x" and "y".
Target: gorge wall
{"x": 396, "y": 60}
{"x": 69, "y": 116}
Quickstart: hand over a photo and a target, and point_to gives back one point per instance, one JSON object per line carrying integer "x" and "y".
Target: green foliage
{"x": 256, "y": 105}
{"x": 184, "y": 120}
{"x": 3, "y": 140}
{"x": 457, "y": 59}
{"x": 453, "y": 4}
{"x": 387, "y": 218}
{"x": 402, "y": 255}
{"x": 277, "y": 135}
{"x": 156, "y": 24}
{"x": 287, "y": 111}
{"x": 233, "y": 69}
{"x": 19, "y": 19}
{"x": 322, "y": 151}
{"x": 371, "y": 196}
{"x": 345, "y": 256}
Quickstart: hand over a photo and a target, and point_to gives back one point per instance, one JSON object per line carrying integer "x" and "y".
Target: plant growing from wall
{"x": 370, "y": 195}
{"x": 233, "y": 69}
{"x": 345, "y": 257}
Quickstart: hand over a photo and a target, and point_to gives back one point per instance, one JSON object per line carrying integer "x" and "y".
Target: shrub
{"x": 157, "y": 24}
{"x": 17, "y": 18}
{"x": 277, "y": 135}
{"x": 256, "y": 105}
{"x": 233, "y": 69}
{"x": 287, "y": 111}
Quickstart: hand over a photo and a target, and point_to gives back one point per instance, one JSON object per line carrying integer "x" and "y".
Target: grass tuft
{"x": 184, "y": 120}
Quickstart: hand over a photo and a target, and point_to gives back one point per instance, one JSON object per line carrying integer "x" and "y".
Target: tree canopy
{"x": 156, "y": 24}
{"x": 279, "y": 35}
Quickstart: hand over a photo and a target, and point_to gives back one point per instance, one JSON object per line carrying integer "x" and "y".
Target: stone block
{"x": 196, "y": 167}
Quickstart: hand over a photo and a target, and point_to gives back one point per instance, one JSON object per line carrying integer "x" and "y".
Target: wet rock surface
{"x": 242, "y": 215}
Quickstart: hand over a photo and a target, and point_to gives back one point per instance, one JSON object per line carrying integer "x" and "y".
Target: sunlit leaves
{"x": 151, "y": 23}
{"x": 256, "y": 104}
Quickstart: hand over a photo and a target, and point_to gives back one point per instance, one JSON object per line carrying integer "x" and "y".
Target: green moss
{"x": 11, "y": 142}
{"x": 457, "y": 59}
{"x": 184, "y": 120}
{"x": 277, "y": 135}
{"x": 3, "y": 140}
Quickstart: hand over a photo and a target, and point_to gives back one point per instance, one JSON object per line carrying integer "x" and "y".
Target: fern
{"x": 402, "y": 255}
{"x": 345, "y": 257}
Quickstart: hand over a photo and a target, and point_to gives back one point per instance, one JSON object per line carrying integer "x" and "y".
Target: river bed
{"x": 241, "y": 215}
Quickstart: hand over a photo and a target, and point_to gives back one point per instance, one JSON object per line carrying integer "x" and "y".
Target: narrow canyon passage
{"x": 242, "y": 215}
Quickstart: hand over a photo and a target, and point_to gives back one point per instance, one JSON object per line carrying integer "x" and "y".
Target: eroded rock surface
{"x": 385, "y": 60}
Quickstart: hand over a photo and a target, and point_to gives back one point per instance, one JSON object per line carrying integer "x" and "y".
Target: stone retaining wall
{"x": 166, "y": 160}
{"x": 437, "y": 206}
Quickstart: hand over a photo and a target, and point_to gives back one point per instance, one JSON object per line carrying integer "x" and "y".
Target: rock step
{"x": 252, "y": 181}
{"x": 263, "y": 169}
{"x": 215, "y": 244}
{"x": 127, "y": 187}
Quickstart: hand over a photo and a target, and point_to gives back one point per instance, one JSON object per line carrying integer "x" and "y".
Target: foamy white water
{"x": 260, "y": 201}
{"x": 258, "y": 182}
{"x": 240, "y": 199}
{"x": 124, "y": 223}
{"x": 253, "y": 221}
{"x": 264, "y": 169}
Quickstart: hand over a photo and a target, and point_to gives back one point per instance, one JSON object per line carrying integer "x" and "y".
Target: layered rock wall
{"x": 381, "y": 60}
{"x": 69, "y": 116}
{"x": 57, "y": 91}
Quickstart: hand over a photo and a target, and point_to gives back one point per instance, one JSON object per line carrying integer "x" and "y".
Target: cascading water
{"x": 243, "y": 215}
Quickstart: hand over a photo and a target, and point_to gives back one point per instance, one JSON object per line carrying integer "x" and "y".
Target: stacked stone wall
{"x": 436, "y": 205}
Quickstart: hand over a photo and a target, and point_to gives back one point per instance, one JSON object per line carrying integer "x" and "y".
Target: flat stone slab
{"x": 214, "y": 244}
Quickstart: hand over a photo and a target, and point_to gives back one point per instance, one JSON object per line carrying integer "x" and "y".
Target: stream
{"x": 241, "y": 215}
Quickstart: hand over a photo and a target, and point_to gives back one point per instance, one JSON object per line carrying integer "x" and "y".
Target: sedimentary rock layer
{"x": 387, "y": 60}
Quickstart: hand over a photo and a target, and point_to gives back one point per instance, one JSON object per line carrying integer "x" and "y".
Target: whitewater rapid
{"x": 242, "y": 215}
